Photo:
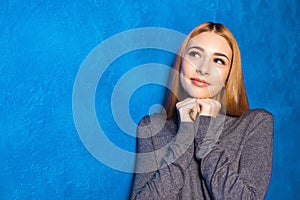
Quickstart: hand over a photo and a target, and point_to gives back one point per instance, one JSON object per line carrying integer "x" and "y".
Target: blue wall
{"x": 42, "y": 45}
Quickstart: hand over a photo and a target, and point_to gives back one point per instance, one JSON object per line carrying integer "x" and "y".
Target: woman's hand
{"x": 209, "y": 107}
{"x": 190, "y": 107}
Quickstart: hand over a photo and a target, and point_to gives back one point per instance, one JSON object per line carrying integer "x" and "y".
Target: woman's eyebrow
{"x": 221, "y": 54}
{"x": 196, "y": 47}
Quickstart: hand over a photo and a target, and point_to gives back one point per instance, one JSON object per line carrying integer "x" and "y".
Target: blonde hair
{"x": 232, "y": 97}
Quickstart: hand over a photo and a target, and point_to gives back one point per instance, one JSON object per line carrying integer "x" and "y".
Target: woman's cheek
{"x": 218, "y": 77}
{"x": 188, "y": 66}
{"x": 215, "y": 90}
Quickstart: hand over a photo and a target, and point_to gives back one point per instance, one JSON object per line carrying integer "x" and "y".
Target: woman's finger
{"x": 187, "y": 109}
{"x": 209, "y": 107}
{"x": 186, "y": 102}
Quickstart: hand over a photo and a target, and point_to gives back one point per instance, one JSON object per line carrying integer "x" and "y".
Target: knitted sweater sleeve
{"x": 247, "y": 177}
{"x": 169, "y": 165}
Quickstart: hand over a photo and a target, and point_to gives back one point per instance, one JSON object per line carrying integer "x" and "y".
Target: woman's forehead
{"x": 210, "y": 42}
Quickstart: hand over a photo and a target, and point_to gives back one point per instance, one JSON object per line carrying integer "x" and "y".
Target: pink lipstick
{"x": 199, "y": 82}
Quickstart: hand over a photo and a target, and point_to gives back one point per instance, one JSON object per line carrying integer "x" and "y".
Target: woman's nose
{"x": 203, "y": 68}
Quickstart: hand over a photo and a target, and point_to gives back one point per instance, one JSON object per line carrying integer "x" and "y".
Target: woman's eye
{"x": 219, "y": 61}
{"x": 194, "y": 54}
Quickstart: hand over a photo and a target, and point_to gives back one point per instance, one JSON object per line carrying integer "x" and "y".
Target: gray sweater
{"x": 213, "y": 158}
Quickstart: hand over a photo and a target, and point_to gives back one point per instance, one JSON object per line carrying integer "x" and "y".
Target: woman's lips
{"x": 199, "y": 82}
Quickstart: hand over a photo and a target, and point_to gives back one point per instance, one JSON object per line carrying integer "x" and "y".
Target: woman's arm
{"x": 247, "y": 178}
{"x": 168, "y": 179}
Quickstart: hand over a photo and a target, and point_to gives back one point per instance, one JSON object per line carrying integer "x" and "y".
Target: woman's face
{"x": 206, "y": 65}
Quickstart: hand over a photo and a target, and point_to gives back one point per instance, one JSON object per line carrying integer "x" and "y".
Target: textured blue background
{"x": 43, "y": 43}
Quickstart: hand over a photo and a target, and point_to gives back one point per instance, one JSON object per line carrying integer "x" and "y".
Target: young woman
{"x": 207, "y": 144}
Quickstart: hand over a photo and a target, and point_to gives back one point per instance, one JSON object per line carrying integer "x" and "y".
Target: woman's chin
{"x": 197, "y": 96}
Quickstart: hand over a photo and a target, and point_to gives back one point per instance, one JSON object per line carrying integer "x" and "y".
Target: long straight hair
{"x": 232, "y": 97}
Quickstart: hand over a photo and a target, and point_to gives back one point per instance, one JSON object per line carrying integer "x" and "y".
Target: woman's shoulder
{"x": 156, "y": 129}
{"x": 255, "y": 121}
{"x": 257, "y": 115}
{"x": 154, "y": 118}
{"x": 157, "y": 120}
{"x": 251, "y": 119}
